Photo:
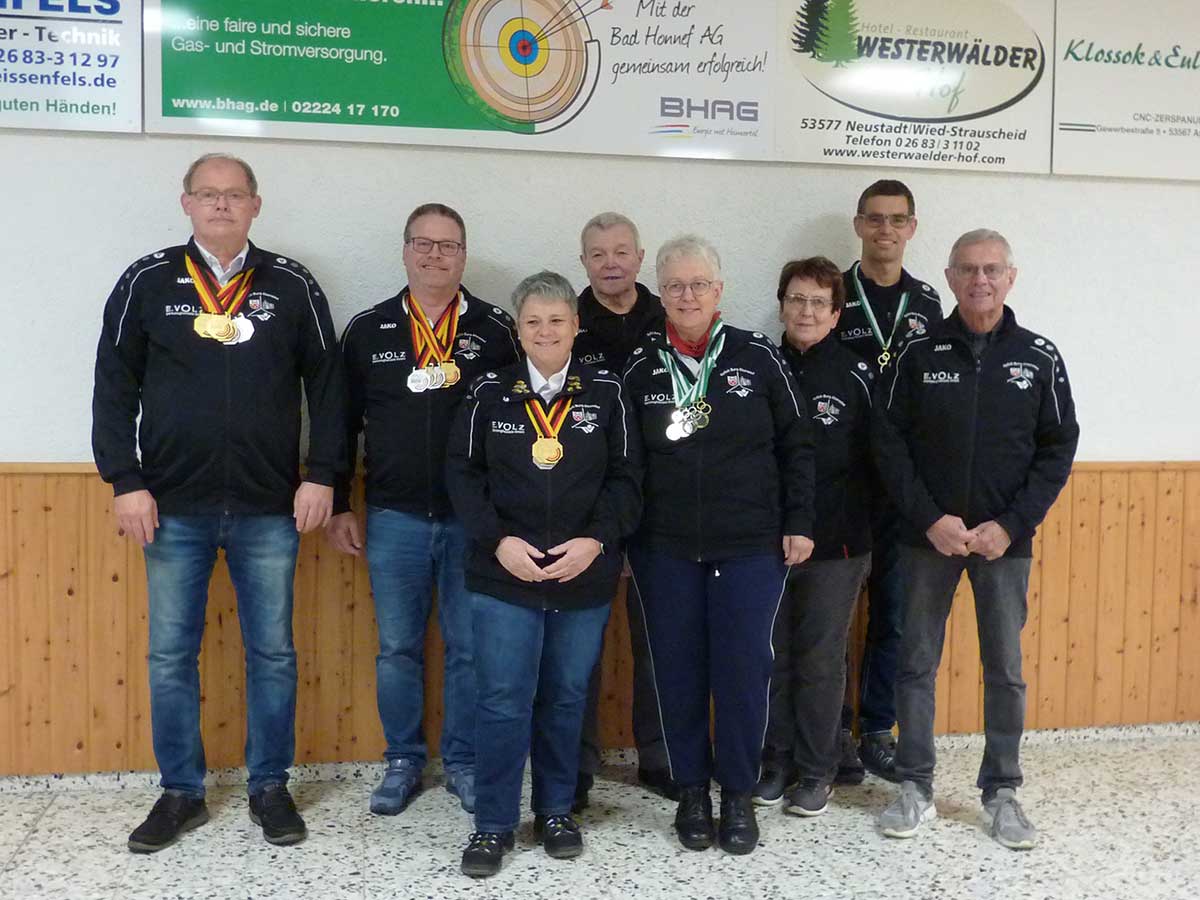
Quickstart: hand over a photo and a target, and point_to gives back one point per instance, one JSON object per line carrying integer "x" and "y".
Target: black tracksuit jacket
{"x": 987, "y": 439}
{"x": 406, "y": 433}
{"x": 838, "y": 385}
{"x": 220, "y": 424}
{"x": 924, "y": 310}
{"x": 735, "y": 488}
{"x": 593, "y": 491}
{"x": 606, "y": 339}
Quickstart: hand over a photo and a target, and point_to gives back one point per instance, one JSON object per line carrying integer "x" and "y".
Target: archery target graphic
{"x": 530, "y": 65}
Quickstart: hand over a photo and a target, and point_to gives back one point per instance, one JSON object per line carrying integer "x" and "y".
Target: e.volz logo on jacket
{"x": 388, "y": 356}
{"x": 940, "y": 378}
{"x": 508, "y": 427}
{"x": 181, "y": 309}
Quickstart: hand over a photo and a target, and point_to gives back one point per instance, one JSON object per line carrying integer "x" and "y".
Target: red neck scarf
{"x": 688, "y": 348}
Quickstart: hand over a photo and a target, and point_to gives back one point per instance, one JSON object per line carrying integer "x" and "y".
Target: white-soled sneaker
{"x": 1007, "y": 822}
{"x": 908, "y": 812}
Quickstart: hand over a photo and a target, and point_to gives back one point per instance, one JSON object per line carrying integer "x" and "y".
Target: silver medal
{"x": 418, "y": 381}
{"x": 678, "y": 415}
{"x": 437, "y": 377}
{"x": 688, "y": 426}
{"x": 675, "y": 432}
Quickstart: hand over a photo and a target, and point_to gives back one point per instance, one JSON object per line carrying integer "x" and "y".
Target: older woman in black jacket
{"x": 543, "y": 469}
{"x": 728, "y": 495}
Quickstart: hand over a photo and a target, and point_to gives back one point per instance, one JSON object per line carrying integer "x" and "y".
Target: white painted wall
{"x": 1105, "y": 267}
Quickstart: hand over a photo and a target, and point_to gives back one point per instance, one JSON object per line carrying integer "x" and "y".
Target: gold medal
{"x": 452, "y": 372}
{"x": 220, "y": 304}
{"x": 547, "y": 451}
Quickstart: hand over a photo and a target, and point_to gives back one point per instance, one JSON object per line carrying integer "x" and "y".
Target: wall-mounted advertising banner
{"x": 71, "y": 64}
{"x": 964, "y": 85}
{"x": 644, "y": 77}
{"x": 1127, "y": 98}
{"x": 868, "y": 82}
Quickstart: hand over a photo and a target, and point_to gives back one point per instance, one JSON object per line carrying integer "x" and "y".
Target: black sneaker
{"x": 274, "y": 810}
{"x": 583, "y": 784}
{"x": 850, "y": 767}
{"x": 560, "y": 836}
{"x": 878, "y": 754}
{"x": 774, "y": 781}
{"x": 809, "y": 798}
{"x": 485, "y": 850}
{"x": 693, "y": 818}
{"x": 738, "y": 833}
{"x": 659, "y": 781}
{"x": 172, "y": 815}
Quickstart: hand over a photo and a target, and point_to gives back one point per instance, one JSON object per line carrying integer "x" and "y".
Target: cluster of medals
{"x": 547, "y": 423}
{"x": 692, "y": 412}
{"x": 220, "y": 320}
{"x": 885, "y": 345}
{"x": 433, "y": 346}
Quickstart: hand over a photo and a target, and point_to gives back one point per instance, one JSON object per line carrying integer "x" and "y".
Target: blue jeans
{"x": 532, "y": 668}
{"x": 261, "y": 554}
{"x": 405, "y": 553}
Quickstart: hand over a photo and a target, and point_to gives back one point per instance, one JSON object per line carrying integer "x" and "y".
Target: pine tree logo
{"x": 808, "y": 26}
{"x": 838, "y": 39}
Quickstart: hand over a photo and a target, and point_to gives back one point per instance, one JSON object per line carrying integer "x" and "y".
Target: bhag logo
{"x": 708, "y": 110}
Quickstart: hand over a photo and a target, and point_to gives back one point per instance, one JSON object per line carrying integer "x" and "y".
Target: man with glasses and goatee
{"x": 208, "y": 343}
{"x": 885, "y": 308}
{"x": 408, "y": 362}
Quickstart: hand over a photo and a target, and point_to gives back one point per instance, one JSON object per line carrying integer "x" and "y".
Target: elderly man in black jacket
{"x": 974, "y": 434}
{"x": 196, "y": 425}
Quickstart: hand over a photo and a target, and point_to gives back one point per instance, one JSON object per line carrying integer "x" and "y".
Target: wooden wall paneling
{"x": 965, "y": 708}
{"x": 367, "y": 738}
{"x": 1110, "y": 599}
{"x": 1081, "y": 615}
{"x": 1031, "y": 635}
{"x": 305, "y": 623}
{"x": 435, "y": 668}
{"x": 1187, "y": 699}
{"x": 1055, "y": 609}
{"x": 333, "y": 604}
{"x": 615, "y": 711}
{"x": 68, "y": 649}
{"x": 138, "y": 736}
{"x": 222, "y": 674}
{"x": 106, "y": 601}
{"x": 8, "y": 642}
{"x": 31, "y": 526}
{"x": 1168, "y": 580}
{"x": 1139, "y": 596}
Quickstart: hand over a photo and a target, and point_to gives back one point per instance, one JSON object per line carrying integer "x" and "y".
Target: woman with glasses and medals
{"x": 544, "y": 471}
{"x": 803, "y": 745}
{"x": 728, "y": 508}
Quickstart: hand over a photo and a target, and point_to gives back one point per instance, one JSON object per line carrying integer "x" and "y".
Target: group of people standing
{"x": 516, "y": 467}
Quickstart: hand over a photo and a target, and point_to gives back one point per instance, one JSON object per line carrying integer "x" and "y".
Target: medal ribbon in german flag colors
{"x": 547, "y": 450}
{"x": 216, "y": 300}
{"x": 433, "y": 344}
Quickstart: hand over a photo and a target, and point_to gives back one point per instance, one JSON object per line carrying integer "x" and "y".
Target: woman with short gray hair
{"x": 728, "y": 494}
{"x": 544, "y": 471}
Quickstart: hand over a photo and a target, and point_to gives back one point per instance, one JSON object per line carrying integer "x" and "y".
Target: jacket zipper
{"x": 549, "y": 519}
{"x": 699, "y": 485}
{"x": 228, "y": 430}
{"x": 971, "y": 450}
{"x": 428, "y": 455}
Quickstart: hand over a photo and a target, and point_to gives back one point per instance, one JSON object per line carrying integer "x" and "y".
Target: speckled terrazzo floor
{"x": 1116, "y": 809}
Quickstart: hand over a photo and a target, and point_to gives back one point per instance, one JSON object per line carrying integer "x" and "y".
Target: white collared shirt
{"x": 550, "y": 387}
{"x": 224, "y": 274}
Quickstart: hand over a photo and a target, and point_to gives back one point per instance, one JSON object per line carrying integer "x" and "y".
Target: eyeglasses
{"x": 699, "y": 287}
{"x": 800, "y": 301}
{"x": 209, "y": 197}
{"x": 876, "y": 220}
{"x": 446, "y": 248}
{"x": 991, "y": 271}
